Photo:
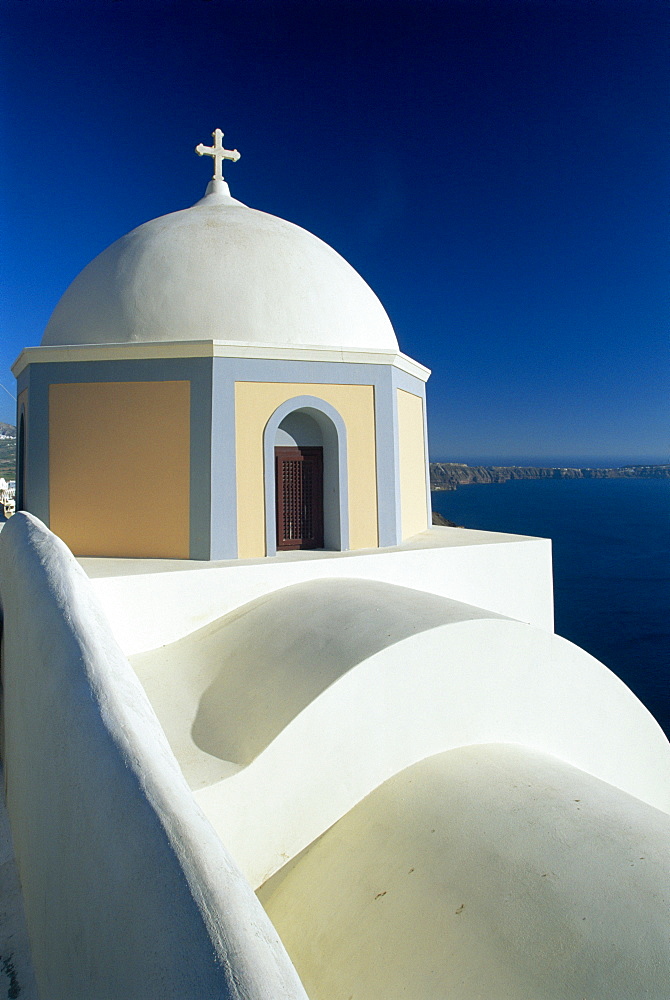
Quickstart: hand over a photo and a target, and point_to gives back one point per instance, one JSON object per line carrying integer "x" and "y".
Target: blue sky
{"x": 498, "y": 172}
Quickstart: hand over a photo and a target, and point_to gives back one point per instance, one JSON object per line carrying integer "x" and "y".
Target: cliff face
{"x": 449, "y": 475}
{"x": 443, "y": 521}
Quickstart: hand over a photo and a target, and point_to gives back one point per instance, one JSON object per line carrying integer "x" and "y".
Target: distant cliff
{"x": 443, "y": 521}
{"x": 449, "y": 475}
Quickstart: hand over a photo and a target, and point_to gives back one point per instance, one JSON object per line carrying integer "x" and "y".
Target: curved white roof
{"x": 221, "y": 271}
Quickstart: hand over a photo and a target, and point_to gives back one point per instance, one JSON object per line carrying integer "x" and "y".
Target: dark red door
{"x": 299, "y": 483}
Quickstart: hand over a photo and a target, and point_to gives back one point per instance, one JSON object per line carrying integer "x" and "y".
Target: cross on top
{"x": 218, "y": 153}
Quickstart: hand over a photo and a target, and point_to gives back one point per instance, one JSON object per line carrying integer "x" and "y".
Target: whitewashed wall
{"x": 149, "y": 602}
{"x": 128, "y": 891}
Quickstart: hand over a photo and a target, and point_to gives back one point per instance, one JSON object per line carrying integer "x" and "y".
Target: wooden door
{"x": 299, "y": 486}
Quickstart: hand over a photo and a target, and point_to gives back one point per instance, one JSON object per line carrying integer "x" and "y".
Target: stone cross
{"x": 218, "y": 153}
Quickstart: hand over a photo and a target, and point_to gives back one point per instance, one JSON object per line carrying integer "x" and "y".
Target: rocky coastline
{"x": 450, "y": 475}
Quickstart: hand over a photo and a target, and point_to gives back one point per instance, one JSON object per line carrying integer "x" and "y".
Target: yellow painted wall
{"x": 255, "y": 402}
{"x": 119, "y": 466}
{"x": 412, "y": 459}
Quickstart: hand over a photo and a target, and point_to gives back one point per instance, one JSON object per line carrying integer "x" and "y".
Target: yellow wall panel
{"x": 119, "y": 467}
{"x": 412, "y": 459}
{"x": 255, "y": 402}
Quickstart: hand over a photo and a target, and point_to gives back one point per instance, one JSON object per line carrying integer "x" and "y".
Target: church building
{"x": 220, "y": 383}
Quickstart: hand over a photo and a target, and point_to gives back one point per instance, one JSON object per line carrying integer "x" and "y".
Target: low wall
{"x": 128, "y": 891}
{"x": 150, "y": 602}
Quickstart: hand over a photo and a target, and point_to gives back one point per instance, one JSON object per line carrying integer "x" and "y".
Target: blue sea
{"x": 611, "y": 553}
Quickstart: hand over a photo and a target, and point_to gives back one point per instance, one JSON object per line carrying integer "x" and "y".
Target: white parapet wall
{"x": 153, "y": 601}
{"x": 128, "y": 891}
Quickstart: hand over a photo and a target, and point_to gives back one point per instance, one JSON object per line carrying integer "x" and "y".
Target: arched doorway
{"x": 306, "y": 485}
{"x": 299, "y": 483}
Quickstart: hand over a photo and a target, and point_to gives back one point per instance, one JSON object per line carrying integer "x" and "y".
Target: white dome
{"x": 221, "y": 271}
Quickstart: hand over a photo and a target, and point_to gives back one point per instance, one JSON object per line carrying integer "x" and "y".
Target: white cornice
{"x": 216, "y": 349}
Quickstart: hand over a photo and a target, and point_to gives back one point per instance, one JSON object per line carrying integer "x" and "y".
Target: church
{"x": 266, "y": 731}
{"x": 226, "y": 368}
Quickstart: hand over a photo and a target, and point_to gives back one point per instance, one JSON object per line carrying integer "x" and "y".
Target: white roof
{"x": 220, "y": 271}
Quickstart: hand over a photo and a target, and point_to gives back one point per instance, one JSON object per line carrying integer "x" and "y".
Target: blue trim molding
{"x": 223, "y": 499}
{"x": 388, "y": 462}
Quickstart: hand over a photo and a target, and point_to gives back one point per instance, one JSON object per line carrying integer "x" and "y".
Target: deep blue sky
{"x": 499, "y": 172}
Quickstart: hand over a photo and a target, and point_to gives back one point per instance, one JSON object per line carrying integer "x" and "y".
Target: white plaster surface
{"x": 305, "y": 700}
{"x": 220, "y": 271}
{"x": 150, "y": 602}
{"x": 292, "y": 715}
{"x": 217, "y": 349}
{"x": 226, "y": 691}
{"x": 484, "y": 873}
{"x": 128, "y": 891}
{"x": 17, "y": 977}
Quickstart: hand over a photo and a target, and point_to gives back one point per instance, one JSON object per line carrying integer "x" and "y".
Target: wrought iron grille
{"x": 299, "y": 477}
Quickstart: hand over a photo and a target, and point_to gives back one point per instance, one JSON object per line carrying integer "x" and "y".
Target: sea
{"x": 611, "y": 558}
